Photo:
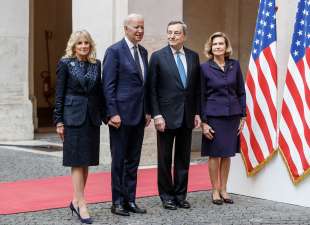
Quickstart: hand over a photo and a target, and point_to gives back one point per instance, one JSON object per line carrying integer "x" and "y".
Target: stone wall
{"x": 15, "y": 106}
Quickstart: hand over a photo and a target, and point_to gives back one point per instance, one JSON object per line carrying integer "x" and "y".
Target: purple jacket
{"x": 222, "y": 92}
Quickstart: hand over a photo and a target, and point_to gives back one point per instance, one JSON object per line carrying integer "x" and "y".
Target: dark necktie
{"x": 136, "y": 56}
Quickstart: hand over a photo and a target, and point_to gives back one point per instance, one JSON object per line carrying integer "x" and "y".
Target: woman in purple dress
{"x": 223, "y": 112}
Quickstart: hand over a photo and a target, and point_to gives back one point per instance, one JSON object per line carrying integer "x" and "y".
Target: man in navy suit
{"x": 174, "y": 74}
{"x": 124, "y": 75}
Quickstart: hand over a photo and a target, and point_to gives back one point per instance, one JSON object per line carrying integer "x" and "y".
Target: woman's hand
{"x": 207, "y": 131}
{"x": 148, "y": 119}
{"x": 197, "y": 121}
{"x": 241, "y": 124}
{"x": 60, "y": 129}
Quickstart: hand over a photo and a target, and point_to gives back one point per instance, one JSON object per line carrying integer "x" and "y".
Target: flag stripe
{"x": 266, "y": 103}
{"x": 297, "y": 120}
{"x": 257, "y": 141}
{"x": 306, "y": 96}
{"x": 287, "y": 157}
{"x": 296, "y": 105}
{"x": 270, "y": 54}
{"x": 249, "y": 161}
{"x": 290, "y": 150}
{"x": 296, "y": 138}
{"x": 297, "y": 85}
{"x": 251, "y": 141}
{"x": 250, "y": 123}
{"x": 260, "y": 103}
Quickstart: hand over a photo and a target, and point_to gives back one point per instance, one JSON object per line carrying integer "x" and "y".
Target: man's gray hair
{"x": 173, "y": 22}
{"x": 132, "y": 16}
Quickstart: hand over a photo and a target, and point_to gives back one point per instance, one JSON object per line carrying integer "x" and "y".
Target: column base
{"x": 16, "y": 121}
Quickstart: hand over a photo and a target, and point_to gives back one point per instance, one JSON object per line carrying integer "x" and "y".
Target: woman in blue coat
{"x": 77, "y": 115}
{"x": 223, "y": 112}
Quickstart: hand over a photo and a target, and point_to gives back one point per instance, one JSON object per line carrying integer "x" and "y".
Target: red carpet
{"x": 56, "y": 192}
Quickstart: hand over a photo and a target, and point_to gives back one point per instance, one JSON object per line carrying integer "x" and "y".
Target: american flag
{"x": 294, "y": 136}
{"x": 259, "y": 136}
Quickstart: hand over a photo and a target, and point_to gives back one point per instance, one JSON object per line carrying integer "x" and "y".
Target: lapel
{"x": 127, "y": 52}
{"x": 189, "y": 65}
{"x": 173, "y": 66}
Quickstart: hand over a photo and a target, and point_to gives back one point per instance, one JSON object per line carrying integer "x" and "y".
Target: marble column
{"x": 16, "y": 111}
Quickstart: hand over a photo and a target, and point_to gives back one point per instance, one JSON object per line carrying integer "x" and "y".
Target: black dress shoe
{"x": 184, "y": 204}
{"x": 133, "y": 207}
{"x": 169, "y": 204}
{"x": 119, "y": 210}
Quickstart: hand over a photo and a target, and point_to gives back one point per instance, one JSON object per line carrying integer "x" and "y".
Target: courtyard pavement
{"x": 33, "y": 162}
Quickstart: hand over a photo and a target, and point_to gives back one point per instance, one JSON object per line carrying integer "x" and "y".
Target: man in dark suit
{"x": 124, "y": 75}
{"x": 175, "y": 100}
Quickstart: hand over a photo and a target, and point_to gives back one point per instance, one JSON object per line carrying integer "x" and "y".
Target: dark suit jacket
{"x": 72, "y": 102}
{"x": 168, "y": 96}
{"x": 123, "y": 85}
{"x": 222, "y": 92}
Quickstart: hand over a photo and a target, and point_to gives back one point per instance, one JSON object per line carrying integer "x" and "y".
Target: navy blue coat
{"x": 222, "y": 92}
{"x": 123, "y": 86}
{"x": 168, "y": 96}
{"x": 73, "y": 100}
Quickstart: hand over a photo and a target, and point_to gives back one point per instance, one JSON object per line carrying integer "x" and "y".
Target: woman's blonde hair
{"x": 74, "y": 39}
{"x": 208, "y": 45}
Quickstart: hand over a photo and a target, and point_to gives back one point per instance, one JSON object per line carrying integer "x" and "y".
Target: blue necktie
{"x": 181, "y": 69}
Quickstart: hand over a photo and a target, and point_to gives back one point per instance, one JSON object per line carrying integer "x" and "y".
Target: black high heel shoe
{"x": 227, "y": 200}
{"x": 77, "y": 212}
{"x": 73, "y": 210}
{"x": 216, "y": 201}
{"x": 85, "y": 220}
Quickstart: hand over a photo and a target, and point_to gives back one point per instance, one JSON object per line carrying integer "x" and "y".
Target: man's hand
{"x": 160, "y": 124}
{"x": 60, "y": 130}
{"x": 148, "y": 119}
{"x": 115, "y": 121}
{"x": 207, "y": 131}
{"x": 197, "y": 121}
